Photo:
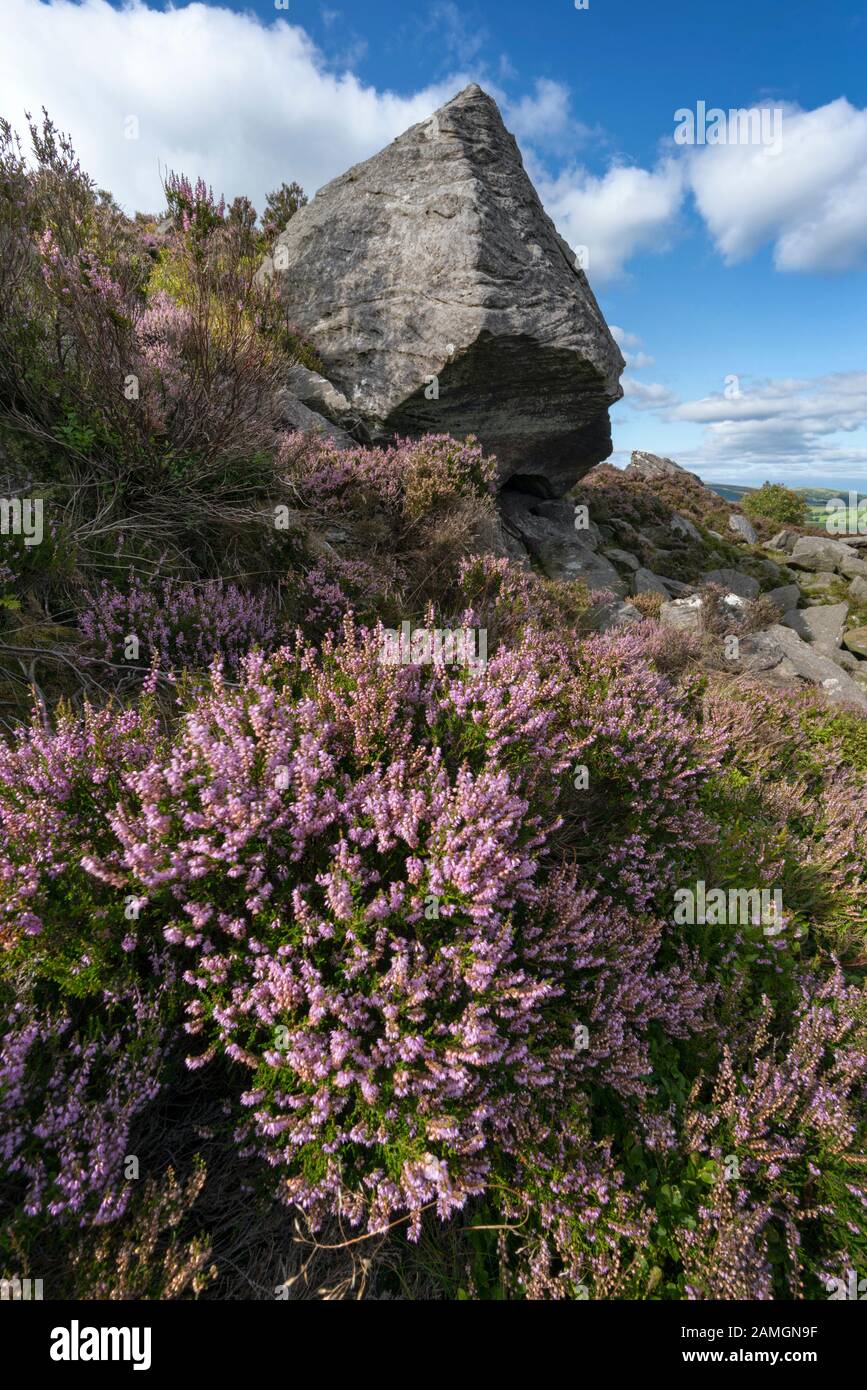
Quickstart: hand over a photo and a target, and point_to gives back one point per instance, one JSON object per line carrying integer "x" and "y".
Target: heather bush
{"x": 387, "y": 899}
{"x": 177, "y": 625}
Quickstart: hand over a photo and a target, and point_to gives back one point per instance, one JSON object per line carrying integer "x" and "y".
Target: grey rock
{"x": 558, "y": 549}
{"x": 783, "y": 540}
{"x": 855, "y": 640}
{"x": 624, "y": 558}
{"x": 433, "y": 265}
{"x": 785, "y": 597}
{"x": 743, "y": 528}
{"x": 644, "y": 581}
{"x": 294, "y": 415}
{"x": 819, "y": 553}
{"x": 733, "y": 581}
{"x": 759, "y": 652}
{"x": 677, "y": 588}
{"x": 843, "y": 658}
{"x": 683, "y": 614}
{"x": 609, "y": 616}
{"x": 317, "y": 393}
{"x": 655, "y": 466}
{"x": 565, "y": 513}
{"x": 823, "y": 625}
{"x": 811, "y": 665}
{"x": 768, "y": 567}
{"x": 852, "y": 566}
{"x": 682, "y": 526}
{"x": 815, "y": 586}
{"x": 858, "y": 589}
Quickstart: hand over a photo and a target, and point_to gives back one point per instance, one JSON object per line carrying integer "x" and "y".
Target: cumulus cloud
{"x": 631, "y": 346}
{"x": 214, "y": 92}
{"x": 248, "y": 104}
{"x": 807, "y": 197}
{"x": 544, "y": 118}
{"x": 647, "y": 395}
{"x": 799, "y": 425}
{"x": 618, "y": 214}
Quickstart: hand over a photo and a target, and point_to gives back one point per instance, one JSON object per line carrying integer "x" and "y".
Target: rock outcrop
{"x": 652, "y": 467}
{"x": 441, "y": 298}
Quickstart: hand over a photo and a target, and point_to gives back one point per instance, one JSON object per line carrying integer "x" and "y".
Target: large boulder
{"x": 823, "y": 625}
{"x": 441, "y": 298}
{"x": 820, "y": 553}
{"x": 817, "y": 668}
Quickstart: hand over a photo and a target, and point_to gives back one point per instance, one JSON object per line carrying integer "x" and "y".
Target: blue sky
{"x": 735, "y": 275}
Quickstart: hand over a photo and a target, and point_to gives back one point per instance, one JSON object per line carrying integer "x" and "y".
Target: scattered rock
{"x": 855, "y": 640}
{"x": 759, "y": 652}
{"x": 858, "y": 589}
{"x": 682, "y": 526}
{"x": 547, "y": 531}
{"x": 783, "y": 540}
{"x": 683, "y": 614}
{"x": 819, "y": 553}
{"x": 816, "y": 586}
{"x": 317, "y": 393}
{"x": 851, "y": 566}
{"x": 823, "y": 625}
{"x": 734, "y": 581}
{"x": 677, "y": 588}
{"x": 296, "y": 416}
{"x": 441, "y": 298}
{"x": 624, "y": 558}
{"x": 811, "y": 665}
{"x": 743, "y": 528}
{"x": 613, "y": 615}
{"x": 785, "y": 597}
{"x": 644, "y": 581}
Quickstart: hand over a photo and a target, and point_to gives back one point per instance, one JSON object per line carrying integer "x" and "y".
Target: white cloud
{"x": 624, "y": 211}
{"x": 631, "y": 347}
{"x": 647, "y": 395}
{"x": 216, "y": 93}
{"x": 796, "y": 425}
{"x": 808, "y": 198}
{"x": 544, "y": 119}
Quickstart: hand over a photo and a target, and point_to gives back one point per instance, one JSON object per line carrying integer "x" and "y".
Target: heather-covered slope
{"x": 389, "y": 907}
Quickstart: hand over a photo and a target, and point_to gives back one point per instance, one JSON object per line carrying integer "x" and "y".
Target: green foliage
{"x": 776, "y": 503}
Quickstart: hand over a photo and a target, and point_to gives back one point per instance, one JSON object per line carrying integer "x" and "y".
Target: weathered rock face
{"x": 441, "y": 298}
{"x": 655, "y": 466}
